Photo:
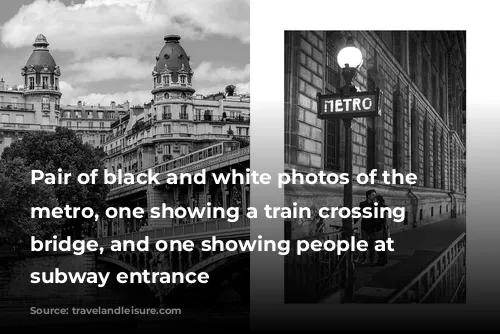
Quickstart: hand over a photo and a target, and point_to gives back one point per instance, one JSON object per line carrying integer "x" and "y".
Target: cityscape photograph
{"x": 373, "y": 102}
{"x": 126, "y": 87}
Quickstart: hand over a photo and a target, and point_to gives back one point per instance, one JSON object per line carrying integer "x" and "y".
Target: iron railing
{"x": 313, "y": 275}
{"x": 442, "y": 281}
{"x": 219, "y": 118}
{"x": 211, "y": 226}
{"x": 16, "y": 106}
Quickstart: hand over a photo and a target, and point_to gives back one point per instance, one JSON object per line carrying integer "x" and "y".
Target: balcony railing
{"x": 207, "y": 227}
{"x": 41, "y": 87}
{"x": 16, "y": 106}
{"x": 219, "y": 118}
{"x": 45, "y": 106}
{"x": 443, "y": 281}
{"x": 171, "y": 84}
{"x": 25, "y": 126}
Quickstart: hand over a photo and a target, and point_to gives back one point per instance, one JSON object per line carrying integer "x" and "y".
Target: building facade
{"x": 421, "y": 130}
{"x": 178, "y": 132}
{"x": 35, "y": 105}
{"x": 92, "y": 123}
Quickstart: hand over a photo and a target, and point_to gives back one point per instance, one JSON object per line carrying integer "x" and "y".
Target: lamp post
{"x": 346, "y": 105}
{"x": 349, "y": 59}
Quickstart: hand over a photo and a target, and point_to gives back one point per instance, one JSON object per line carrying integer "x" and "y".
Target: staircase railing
{"x": 442, "y": 281}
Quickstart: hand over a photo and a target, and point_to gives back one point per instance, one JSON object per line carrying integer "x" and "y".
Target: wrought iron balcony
{"x": 16, "y": 106}
{"x": 45, "y": 106}
{"x": 219, "y": 118}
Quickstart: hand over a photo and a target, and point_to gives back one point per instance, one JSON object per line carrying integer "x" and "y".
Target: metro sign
{"x": 359, "y": 104}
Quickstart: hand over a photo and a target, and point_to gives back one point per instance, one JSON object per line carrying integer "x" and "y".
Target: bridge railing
{"x": 442, "y": 281}
{"x": 216, "y": 225}
{"x": 313, "y": 275}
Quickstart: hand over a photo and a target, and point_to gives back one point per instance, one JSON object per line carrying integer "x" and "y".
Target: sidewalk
{"x": 414, "y": 249}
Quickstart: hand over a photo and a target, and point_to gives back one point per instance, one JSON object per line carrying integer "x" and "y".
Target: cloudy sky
{"x": 106, "y": 49}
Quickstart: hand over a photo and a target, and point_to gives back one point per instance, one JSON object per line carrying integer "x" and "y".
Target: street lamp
{"x": 349, "y": 59}
{"x": 346, "y": 105}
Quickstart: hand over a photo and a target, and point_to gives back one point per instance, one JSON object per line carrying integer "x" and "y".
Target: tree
{"x": 62, "y": 149}
{"x": 243, "y": 142}
{"x": 17, "y": 196}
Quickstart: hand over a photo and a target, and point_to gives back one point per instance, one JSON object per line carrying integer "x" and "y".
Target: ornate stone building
{"x": 178, "y": 131}
{"x": 92, "y": 123}
{"x": 35, "y": 105}
{"x": 421, "y": 130}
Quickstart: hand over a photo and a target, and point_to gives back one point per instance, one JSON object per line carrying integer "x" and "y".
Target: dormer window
{"x": 45, "y": 82}
{"x": 31, "y": 83}
{"x": 183, "y": 79}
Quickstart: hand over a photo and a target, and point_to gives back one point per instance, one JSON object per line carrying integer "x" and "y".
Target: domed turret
{"x": 41, "y": 71}
{"x": 172, "y": 71}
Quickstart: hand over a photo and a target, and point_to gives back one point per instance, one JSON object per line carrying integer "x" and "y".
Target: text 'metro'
{"x": 359, "y": 104}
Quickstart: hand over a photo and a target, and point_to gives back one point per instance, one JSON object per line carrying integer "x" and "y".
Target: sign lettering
{"x": 360, "y": 104}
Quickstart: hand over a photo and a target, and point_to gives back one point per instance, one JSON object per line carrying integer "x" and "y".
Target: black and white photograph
{"x": 377, "y": 102}
{"x": 123, "y": 88}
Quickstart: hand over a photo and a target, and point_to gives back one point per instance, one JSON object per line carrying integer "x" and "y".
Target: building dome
{"x": 172, "y": 56}
{"x": 41, "y": 59}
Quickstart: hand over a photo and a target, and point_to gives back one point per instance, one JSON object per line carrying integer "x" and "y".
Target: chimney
{"x": 2, "y": 84}
{"x": 113, "y": 104}
{"x": 79, "y": 104}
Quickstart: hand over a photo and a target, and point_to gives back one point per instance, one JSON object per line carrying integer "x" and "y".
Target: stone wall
{"x": 415, "y": 121}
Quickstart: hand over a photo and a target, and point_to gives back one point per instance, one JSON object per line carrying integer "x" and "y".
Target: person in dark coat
{"x": 367, "y": 256}
{"x": 380, "y": 230}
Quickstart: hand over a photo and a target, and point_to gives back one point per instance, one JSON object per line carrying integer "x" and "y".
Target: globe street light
{"x": 350, "y": 60}
{"x": 347, "y": 104}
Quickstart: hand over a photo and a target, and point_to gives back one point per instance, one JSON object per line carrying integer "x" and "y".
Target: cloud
{"x": 69, "y": 93}
{"x": 134, "y": 97}
{"x": 96, "y": 28}
{"x": 109, "y": 68}
{"x": 206, "y": 72}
